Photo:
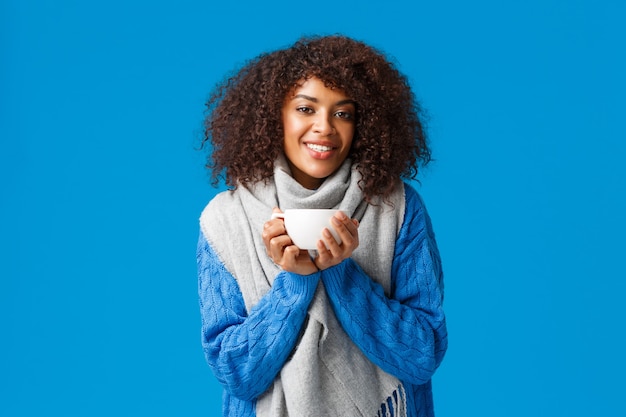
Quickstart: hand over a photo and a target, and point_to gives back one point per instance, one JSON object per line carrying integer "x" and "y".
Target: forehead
{"x": 314, "y": 88}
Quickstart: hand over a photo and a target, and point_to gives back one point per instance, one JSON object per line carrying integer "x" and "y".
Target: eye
{"x": 304, "y": 109}
{"x": 344, "y": 115}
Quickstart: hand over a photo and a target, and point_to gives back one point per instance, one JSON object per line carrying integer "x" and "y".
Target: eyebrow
{"x": 315, "y": 100}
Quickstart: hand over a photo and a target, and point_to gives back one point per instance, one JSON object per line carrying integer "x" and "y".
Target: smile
{"x": 319, "y": 148}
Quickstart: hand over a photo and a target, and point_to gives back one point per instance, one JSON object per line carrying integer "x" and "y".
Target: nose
{"x": 323, "y": 125}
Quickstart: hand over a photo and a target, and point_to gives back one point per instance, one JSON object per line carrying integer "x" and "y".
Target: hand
{"x": 330, "y": 253}
{"x": 282, "y": 251}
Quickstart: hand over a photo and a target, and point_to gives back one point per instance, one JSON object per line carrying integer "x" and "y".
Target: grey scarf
{"x": 327, "y": 373}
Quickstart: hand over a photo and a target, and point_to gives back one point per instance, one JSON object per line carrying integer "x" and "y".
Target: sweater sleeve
{"x": 404, "y": 333}
{"x": 246, "y": 351}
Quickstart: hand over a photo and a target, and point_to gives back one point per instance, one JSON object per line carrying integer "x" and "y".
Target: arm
{"x": 404, "y": 334}
{"x": 246, "y": 351}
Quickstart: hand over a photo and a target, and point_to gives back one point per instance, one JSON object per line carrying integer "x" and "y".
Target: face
{"x": 319, "y": 125}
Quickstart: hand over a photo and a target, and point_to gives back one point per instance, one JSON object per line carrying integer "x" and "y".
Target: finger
{"x": 272, "y": 229}
{"x": 351, "y": 226}
{"x": 277, "y": 247}
{"x": 275, "y": 227}
{"x": 346, "y": 231}
{"x": 324, "y": 257}
{"x": 331, "y": 245}
{"x": 341, "y": 219}
{"x": 289, "y": 256}
{"x": 269, "y": 229}
{"x": 297, "y": 260}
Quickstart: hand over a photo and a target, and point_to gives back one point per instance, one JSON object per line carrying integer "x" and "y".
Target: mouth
{"x": 319, "y": 148}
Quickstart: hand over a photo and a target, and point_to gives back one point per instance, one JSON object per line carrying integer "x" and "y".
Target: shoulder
{"x": 222, "y": 201}
{"x": 412, "y": 200}
{"x": 219, "y": 212}
{"x": 416, "y": 219}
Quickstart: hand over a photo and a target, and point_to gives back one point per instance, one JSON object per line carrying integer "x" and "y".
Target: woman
{"x": 350, "y": 329}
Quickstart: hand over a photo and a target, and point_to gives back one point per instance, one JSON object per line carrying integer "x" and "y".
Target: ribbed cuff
{"x": 296, "y": 285}
{"x": 334, "y": 276}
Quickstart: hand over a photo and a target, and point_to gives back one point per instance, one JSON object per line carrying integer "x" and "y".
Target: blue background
{"x": 101, "y": 108}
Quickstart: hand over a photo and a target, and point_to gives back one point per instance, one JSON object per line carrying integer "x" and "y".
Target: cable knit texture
{"x": 401, "y": 330}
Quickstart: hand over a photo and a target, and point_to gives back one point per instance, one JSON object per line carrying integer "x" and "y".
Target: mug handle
{"x": 278, "y": 216}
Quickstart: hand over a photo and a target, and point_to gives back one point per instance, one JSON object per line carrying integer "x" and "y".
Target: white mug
{"x": 305, "y": 226}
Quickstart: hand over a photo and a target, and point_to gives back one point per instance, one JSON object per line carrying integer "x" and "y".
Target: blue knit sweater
{"x": 403, "y": 332}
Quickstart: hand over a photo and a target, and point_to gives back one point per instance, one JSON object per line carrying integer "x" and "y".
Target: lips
{"x": 319, "y": 148}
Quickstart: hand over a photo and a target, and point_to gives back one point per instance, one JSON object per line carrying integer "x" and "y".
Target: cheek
{"x": 290, "y": 126}
{"x": 348, "y": 135}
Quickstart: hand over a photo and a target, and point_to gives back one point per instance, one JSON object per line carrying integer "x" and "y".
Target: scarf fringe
{"x": 395, "y": 406}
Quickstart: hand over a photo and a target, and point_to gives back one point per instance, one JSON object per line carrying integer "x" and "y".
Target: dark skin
{"x": 290, "y": 258}
{"x": 320, "y": 117}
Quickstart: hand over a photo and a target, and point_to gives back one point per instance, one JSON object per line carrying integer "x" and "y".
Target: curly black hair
{"x": 244, "y": 126}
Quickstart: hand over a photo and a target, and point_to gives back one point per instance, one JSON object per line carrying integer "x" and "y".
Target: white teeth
{"x": 318, "y": 148}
